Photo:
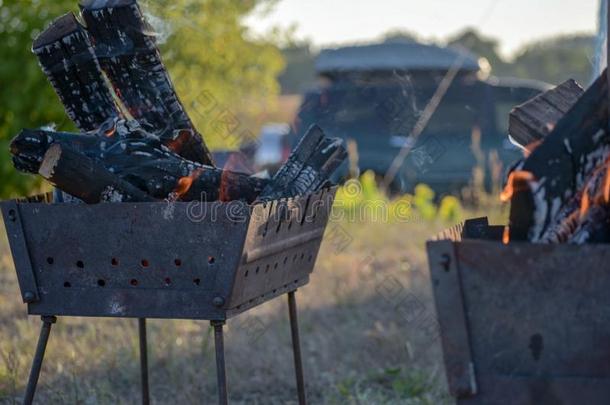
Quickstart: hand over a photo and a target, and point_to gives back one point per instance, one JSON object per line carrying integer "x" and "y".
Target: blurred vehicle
{"x": 375, "y": 94}
{"x": 273, "y": 147}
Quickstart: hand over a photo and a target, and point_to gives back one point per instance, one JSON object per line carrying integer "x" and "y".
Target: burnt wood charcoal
{"x": 594, "y": 226}
{"x": 561, "y": 165}
{"x": 67, "y": 59}
{"x": 533, "y": 120}
{"x": 82, "y": 177}
{"x": 140, "y": 158}
{"x": 127, "y": 52}
{"x": 137, "y": 143}
{"x": 309, "y": 166}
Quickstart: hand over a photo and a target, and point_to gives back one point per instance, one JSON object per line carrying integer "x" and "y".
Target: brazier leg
{"x": 296, "y": 347}
{"x": 220, "y": 362}
{"x": 144, "y": 361}
{"x": 30, "y": 390}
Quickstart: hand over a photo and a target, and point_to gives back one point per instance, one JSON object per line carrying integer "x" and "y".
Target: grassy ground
{"x": 368, "y": 331}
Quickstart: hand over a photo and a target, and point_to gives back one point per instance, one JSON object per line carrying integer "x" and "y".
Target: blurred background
{"x": 421, "y": 93}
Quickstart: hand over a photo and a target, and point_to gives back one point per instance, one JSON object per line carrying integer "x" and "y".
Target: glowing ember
{"x": 506, "y": 235}
{"x": 517, "y": 181}
{"x": 176, "y": 144}
{"x": 110, "y": 132}
{"x": 607, "y": 186}
{"x": 531, "y": 147}
{"x": 185, "y": 183}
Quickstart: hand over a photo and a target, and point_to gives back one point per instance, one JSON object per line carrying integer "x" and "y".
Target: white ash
{"x": 110, "y": 194}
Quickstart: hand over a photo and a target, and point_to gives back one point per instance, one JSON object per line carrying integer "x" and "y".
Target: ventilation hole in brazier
{"x": 211, "y": 259}
{"x": 114, "y": 261}
{"x": 133, "y": 282}
{"x": 145, "y": 263}
{"x": 168, "y": 281}
{"x": 50, "y": 260}
{"x": 80, "y": 264}
{"x": 178, "y": 262}
{"x": 67, "y": 284}
{"x": 196, "y": 281}
{"x": 101, "y": 283}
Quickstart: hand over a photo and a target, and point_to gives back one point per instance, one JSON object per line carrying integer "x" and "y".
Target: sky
{"x": 513, "y": 22}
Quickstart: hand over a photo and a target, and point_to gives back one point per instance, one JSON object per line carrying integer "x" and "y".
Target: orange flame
{"x": 585, "y": 203}
{"x": 176, "y": 144}
{"x": 185, "y": 183}
{"x": 506, "y": 235}
{"x": 236, "y": 162}
{"x": 517, "y": 181}
{"x": 110, "y": 132}
{"x": 529, "y": 148}
{"x": 607, "y": 185}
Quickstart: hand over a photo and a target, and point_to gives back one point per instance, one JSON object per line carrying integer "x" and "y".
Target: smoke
{"x": 160, "y": 28}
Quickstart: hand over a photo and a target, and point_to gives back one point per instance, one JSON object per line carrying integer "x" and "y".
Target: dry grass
{"x": 367, "y": 330}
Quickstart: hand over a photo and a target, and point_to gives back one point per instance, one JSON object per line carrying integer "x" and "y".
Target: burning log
{"x": 561, "y": 167}
{"x": 533, "y": 120}
{"x": 86, "y": 179}
{"x": 127, "y": 52}
{"x": 158, "y": 155}
{"x": 139, "y": 158}
{"x": 67, "y": 59}
{"x": 308, "y": 167}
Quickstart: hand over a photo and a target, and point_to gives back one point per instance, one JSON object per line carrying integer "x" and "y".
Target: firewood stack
{"x": 137, "y": 142}
{"x": 560, "y": 193}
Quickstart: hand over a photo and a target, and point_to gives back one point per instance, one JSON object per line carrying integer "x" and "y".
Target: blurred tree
{"x": 557, "y": 59}
{"x": 397, "y": 35}
{"x": 480, "y": 45}
{"x": 224, "y": 76}
{"x": 26, "y": 99}
{"x": 299, "y": 73}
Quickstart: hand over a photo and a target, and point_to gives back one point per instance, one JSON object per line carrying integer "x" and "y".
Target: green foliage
{"x": 480, "y": 45}
{"x": 424, "y": 201}
{"x": 551, "y": 60}
{"x": 557, "y": 59}
{"x": 26, "y": 99}
{"x": 299, "y": 73}
{"x": 225, "y": 78}
{"x": 389, "y": 386}
{"x": 450, "y": 209}
{"x": 362, "y": 200}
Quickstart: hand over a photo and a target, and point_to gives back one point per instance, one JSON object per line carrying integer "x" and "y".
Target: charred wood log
{"x": 533, "y": 120}
{"x": 562, "y": 164}
{"x": 141, "y": 159}
{"x": 67, "y": 59}
{"x": 86, "y": 179}
{"x": 127, "y": 52}
{"x": 308, "y": 167}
